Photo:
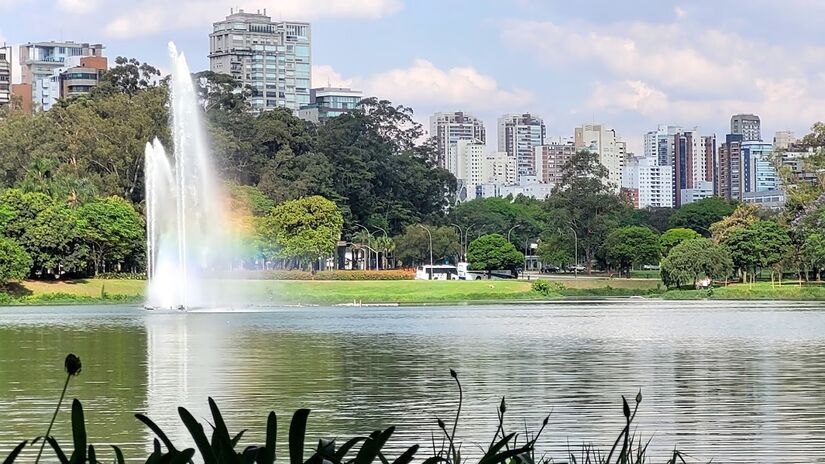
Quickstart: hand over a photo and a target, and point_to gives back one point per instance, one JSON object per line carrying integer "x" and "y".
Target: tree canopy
{"x": 673, "y": 237}
{"x": 701, "y": 214}
{"x": 631, "y": 246}
{"x": 491, "y": 252}
{"x": 693, "y": 259}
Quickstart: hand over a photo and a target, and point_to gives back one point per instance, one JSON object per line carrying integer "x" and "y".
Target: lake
{"x": 728, "y": 381}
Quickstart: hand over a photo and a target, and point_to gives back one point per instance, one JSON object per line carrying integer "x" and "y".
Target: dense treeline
{"x": 88, "y": 150}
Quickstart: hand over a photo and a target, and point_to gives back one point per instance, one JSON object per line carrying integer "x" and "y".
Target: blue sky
{"x": 628, "y": 64}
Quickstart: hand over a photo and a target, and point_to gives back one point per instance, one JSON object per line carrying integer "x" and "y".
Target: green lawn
{"x": 404, "y": 291}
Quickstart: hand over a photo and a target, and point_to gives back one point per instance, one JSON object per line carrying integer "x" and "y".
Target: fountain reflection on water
{"x": 187, "y": 230}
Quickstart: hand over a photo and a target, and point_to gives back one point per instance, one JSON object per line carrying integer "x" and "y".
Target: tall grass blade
{"x": 157, "y": 431}
{"x": 78, "y": 434}
{"x": 196, "y": 430}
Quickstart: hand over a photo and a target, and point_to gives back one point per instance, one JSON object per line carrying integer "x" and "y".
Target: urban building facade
{"x": 730, "y": 167}
{"x": 648, "y": 183}
{"x": 606, "y": 143}
{"x": 783, "y": 140}
{"x": 450, "y": 127}
{"x": 746, "y": 125}
{"x": 329, "y": 102}
{"x": 272, "y": 57}
{"x": 519, "y": 135}
{"x": 78, "y": 77}
{"x": 5, "y": 75}
{"x": 659, "y": 143}
{"x": 40, "y": 60}
{"x": 692, "y": 164}
{"x": 550, "y": 160}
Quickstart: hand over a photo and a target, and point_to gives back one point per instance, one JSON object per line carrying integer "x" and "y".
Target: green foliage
{"x": 302, "y": 230}
{"x": 547, "y": 288}
{"x": 585, "y": 202}
{"x": 693, "y": 259}
{"x": 813, "y": 251}
{"x": 701, "y": 214}
{"x": 523, "y": 217}
{"x": 54, "y": 239}
{"x": 413, "y": 246}
{"x": 112, "y": 230}
{"x": 673, "y": 237}
{"x": 742, "y": 217}
{"x": 631, "y": 246}
{"x": 491, "y": 252}
{"x": 15, "y": 263}
{"x": 557, "y": 249}
{"x": 762, "y": 244}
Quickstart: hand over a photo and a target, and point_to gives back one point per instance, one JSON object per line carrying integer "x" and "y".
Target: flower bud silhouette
{"x": 73, "y": 364}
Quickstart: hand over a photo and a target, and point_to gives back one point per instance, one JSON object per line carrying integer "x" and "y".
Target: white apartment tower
{"x": 518, "y": 135}
{"x": 274, "y": 58}
{"x": 5, "y": 75}
{"x": 648, "y": 183}
{"x": 604, "y": 141}
{"x": 448, "y": 128}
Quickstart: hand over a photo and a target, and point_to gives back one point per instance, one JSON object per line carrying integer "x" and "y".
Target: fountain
{"x": 186, "y": 228}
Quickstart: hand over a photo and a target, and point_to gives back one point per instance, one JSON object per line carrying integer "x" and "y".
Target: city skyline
{"x": 598, "y": 62}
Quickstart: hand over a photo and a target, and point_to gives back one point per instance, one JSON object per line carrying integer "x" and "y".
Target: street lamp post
{"x": 511, "y": 229}
{"x": 431, "y": 250}
{"x": 460, "y": 240}
{"x": 369, "y": 236}
{"x": 575, "y": 251}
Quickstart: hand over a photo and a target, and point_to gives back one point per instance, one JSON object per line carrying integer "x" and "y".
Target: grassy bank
{"x": 403, "y": 291}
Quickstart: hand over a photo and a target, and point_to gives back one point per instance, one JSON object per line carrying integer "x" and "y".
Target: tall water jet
{"x": 186, "y": 226}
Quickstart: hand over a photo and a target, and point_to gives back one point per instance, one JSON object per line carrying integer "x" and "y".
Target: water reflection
{"x": 735, "y": 382}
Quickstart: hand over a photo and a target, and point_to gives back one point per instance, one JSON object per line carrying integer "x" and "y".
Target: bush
{"x": 547, "y": 288}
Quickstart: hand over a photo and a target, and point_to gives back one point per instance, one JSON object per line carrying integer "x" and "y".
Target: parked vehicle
{"x": 464, "y": 273}
{"x": 436, "y": 272}
{"x": 550, "y": 269}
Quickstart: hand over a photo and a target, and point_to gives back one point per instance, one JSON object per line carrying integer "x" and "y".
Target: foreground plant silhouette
{"x": 223, "y": 447}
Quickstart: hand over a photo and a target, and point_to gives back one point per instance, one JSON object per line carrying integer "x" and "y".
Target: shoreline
{"x": 387, "y": 293}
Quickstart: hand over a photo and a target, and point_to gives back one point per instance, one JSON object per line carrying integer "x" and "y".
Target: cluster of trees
{"x": 44, "y": 237}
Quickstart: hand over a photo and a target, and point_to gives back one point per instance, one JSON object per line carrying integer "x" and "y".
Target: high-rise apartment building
{"x": 648, "y": 183}
{"x": 448, "y": 128}
{"x": 519, "y": 135}
{"x": 729, "y": 178}
{"x": 604, "y": 141}
{"x": 40, "y": 60}
{"x": 550, "y": 160}
{"x": 746, "y": 125}
{"x": 5, "y": 75}
{"x": 692, "y": 167}
{"x": 746, "y": 170}
{"x": 659, "y": 143}
{"x": 78, "y": 76}
{"x": 783, "y": 140}
{"x": 467, "y": 164}
{"x": 329, "y": 102}
{"x": 272, "y": 57}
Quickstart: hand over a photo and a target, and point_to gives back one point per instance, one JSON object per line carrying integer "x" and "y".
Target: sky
{"x": 631, "y": 64}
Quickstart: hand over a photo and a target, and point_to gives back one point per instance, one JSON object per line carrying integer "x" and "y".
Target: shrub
{"x": 548, "y": 288}
{"x": 121, "y": 276}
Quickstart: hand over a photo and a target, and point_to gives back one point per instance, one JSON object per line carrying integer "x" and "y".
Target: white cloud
{"x": 149, "y": 17}
{"x": 679, "y": 11}
{"x": 78, "y": 6}
{"x": 323, "y": 75}
{"x": 423, "y": 82}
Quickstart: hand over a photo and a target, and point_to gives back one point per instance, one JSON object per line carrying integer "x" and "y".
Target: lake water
{"x": 728, "y": 381}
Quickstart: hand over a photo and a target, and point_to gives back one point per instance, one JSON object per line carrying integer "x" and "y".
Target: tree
{"x": 54, "y": 240}
{"x": 743, "y": 216}
{"x": 763, "y": 244}
{"x": 491, "y": 252}
{"x": 523, "y": 216}
{"x": 128, "y": 76}
{"x": 584, "y": 201}
{"x": 301, "y": 230}
{"x": 631, "y": 246}
{"x": 813, "y": 253}
{"x": 413, "y": 246}
{"x": 112, "y": 230}
{"x": 556, "y": 249}
{"x": 693, "y": 259}
{"x": 673, "y": 237}
{"x": 701, "y": 214}
{"x": 15, "y": 263}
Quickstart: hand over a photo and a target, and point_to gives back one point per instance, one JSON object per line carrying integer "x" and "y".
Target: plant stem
{"x": 49, "y": 430}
